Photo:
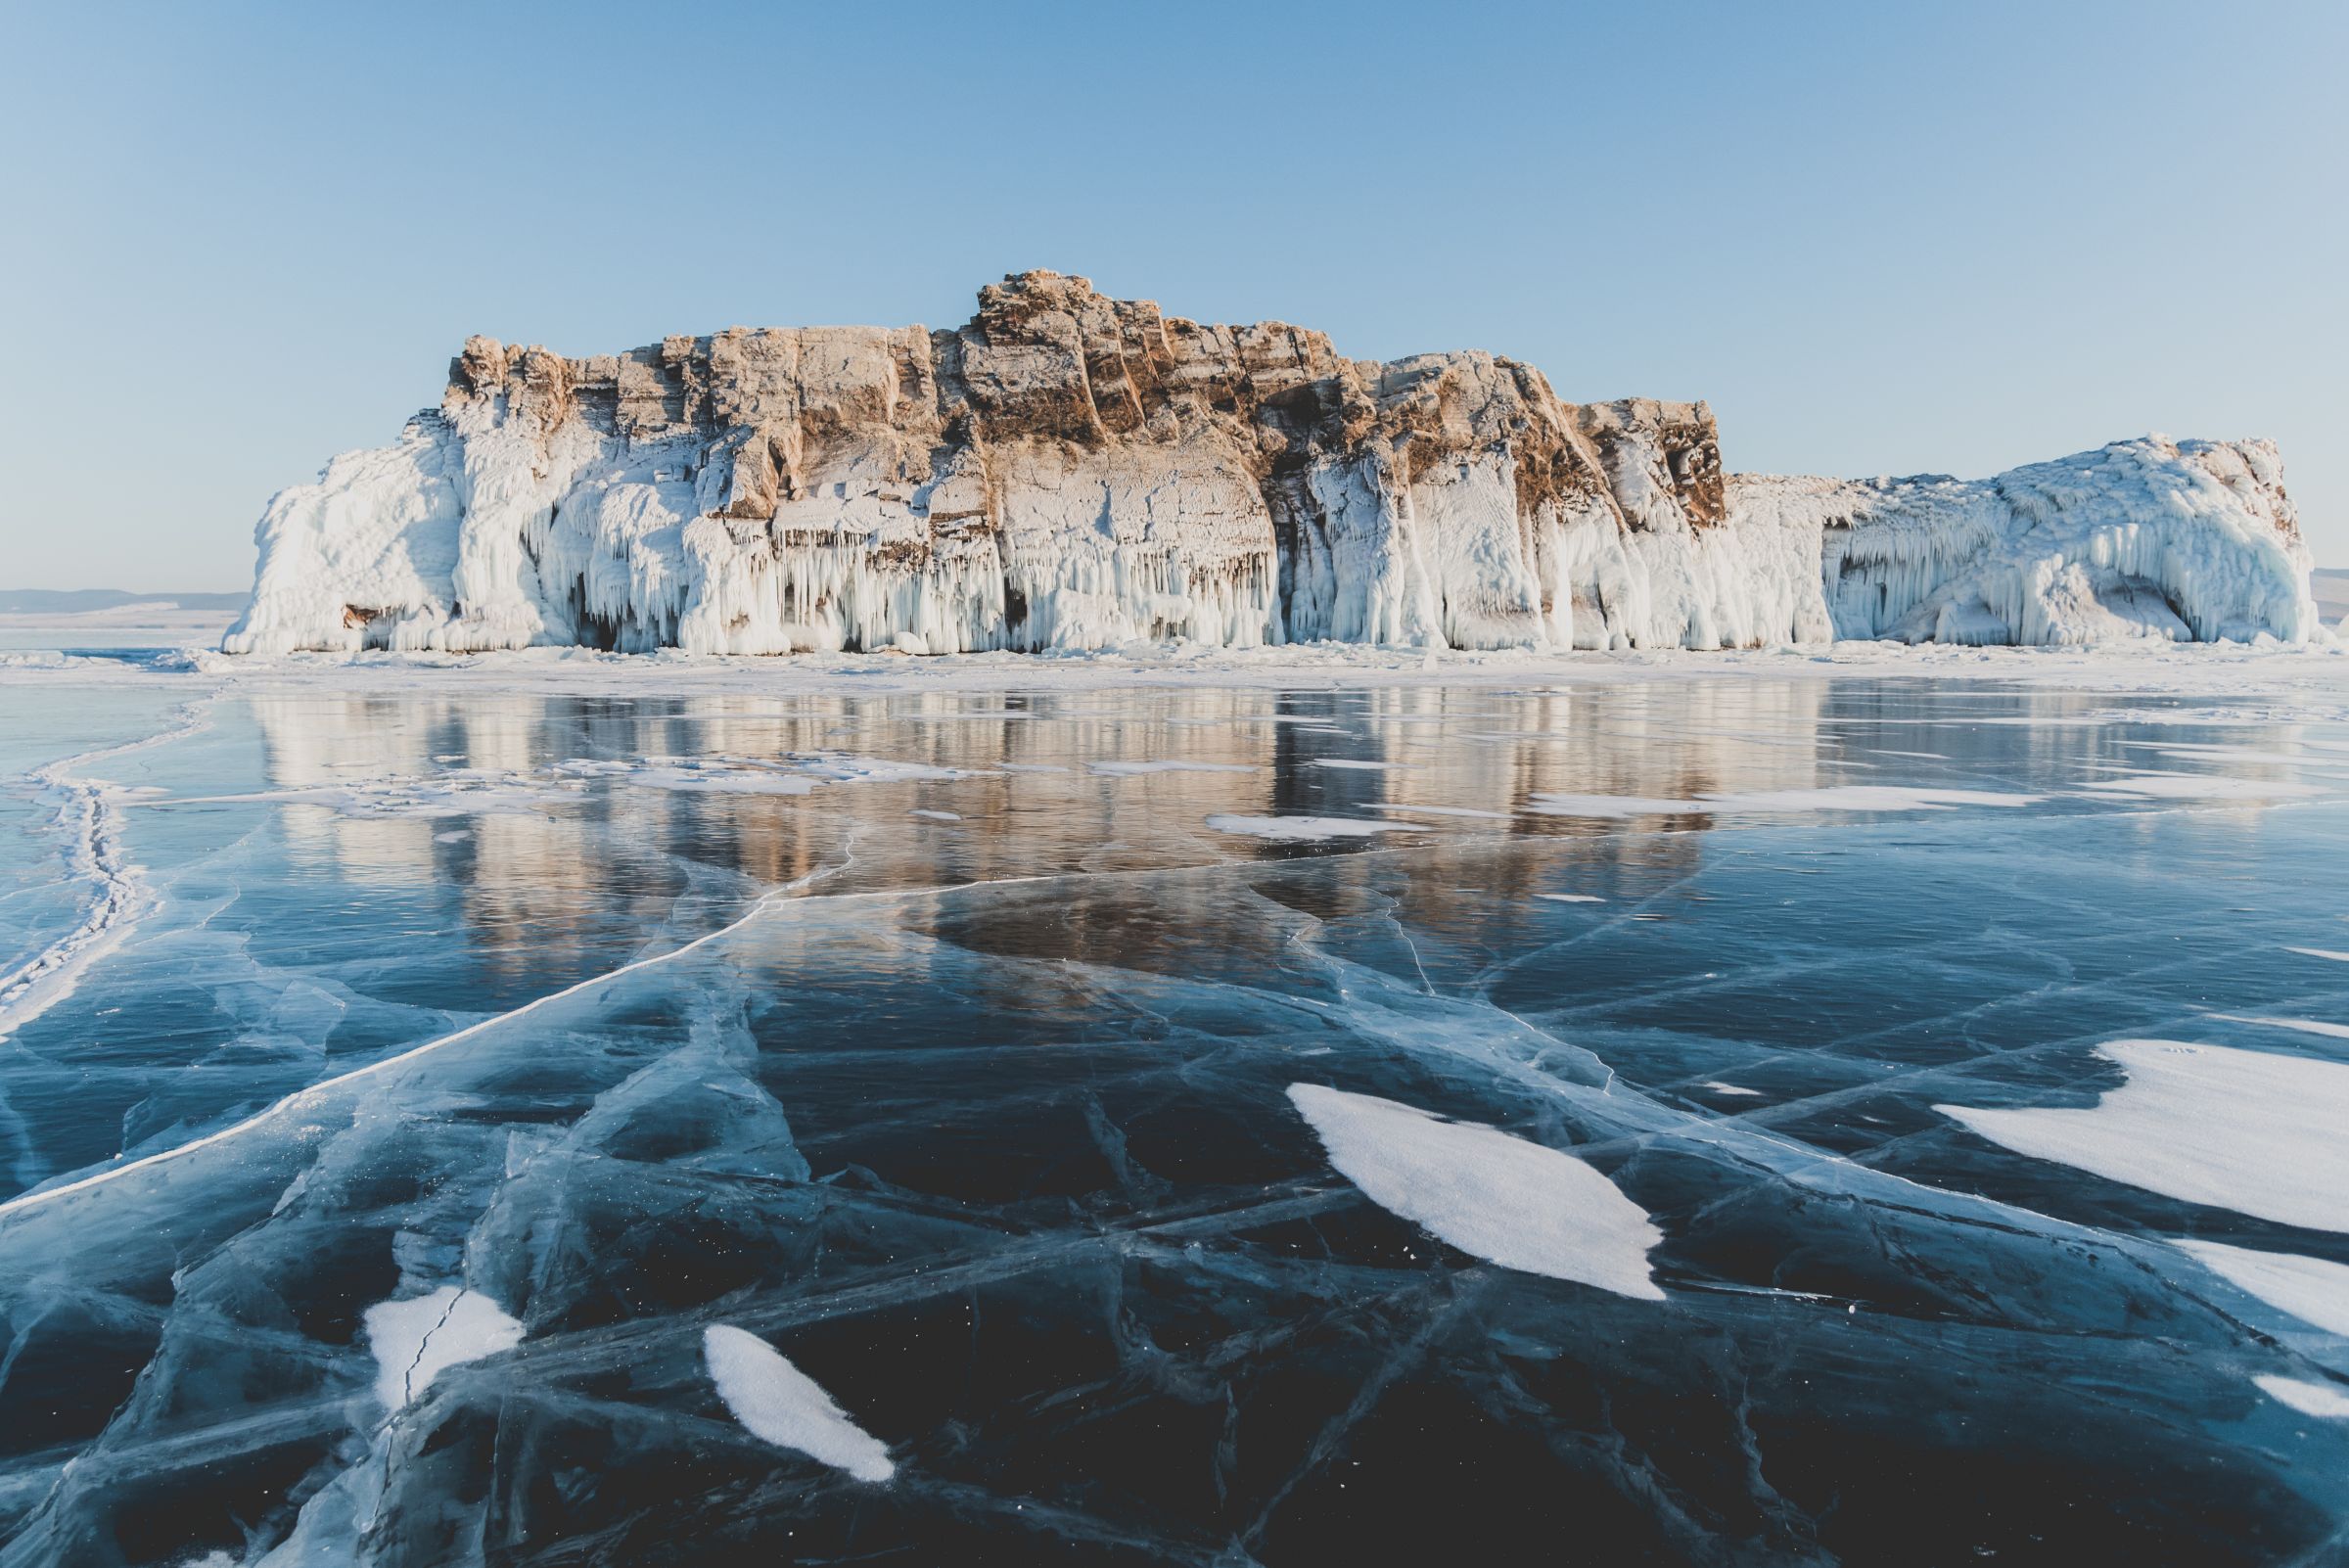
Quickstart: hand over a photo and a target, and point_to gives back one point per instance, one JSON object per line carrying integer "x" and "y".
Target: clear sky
{"x": 1879, "y": 237}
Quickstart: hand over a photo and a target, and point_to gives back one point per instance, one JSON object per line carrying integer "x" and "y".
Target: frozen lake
{"x": 1879, "y": 1119}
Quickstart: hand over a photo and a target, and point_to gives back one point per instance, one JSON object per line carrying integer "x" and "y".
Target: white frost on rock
{"x": 2149, "y": 538}
{"x": 1071, "y": 472}
{"x": 2247, "y": 1131}
{"x": 779, "y": 1404}
{"x": 417, "y": 1339}
{"x": 1505, "y": 1199}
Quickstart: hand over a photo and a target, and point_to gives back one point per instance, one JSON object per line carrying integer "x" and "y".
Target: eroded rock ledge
{"x": 1072, "y": 471}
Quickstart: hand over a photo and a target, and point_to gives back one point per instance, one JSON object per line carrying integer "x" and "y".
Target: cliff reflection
{"x": 556, "y": 820}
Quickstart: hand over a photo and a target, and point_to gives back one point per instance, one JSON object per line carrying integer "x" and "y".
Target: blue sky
{"x": 1881, "y": 239}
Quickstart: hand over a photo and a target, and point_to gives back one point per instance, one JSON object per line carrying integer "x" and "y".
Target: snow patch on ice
{"x": 2320, "y": 1400}
{"x": 2298, "y": 1025}
{"x": 1440, "y": 810}
{"x": 1503, "y": 1198}
{"x": 840, "y": 768}
{"x": 1826, "y": 798}
{"x": 2311, "y": 1289}
{"x": 418, "y": 1338}
{"x": 2247, "y": 1131}
{"x": 2200, "y": 787}
{"x": 1571, "y": 897}
{"x": 778, "y": 1403}
{"x": 1300, "y": 829}
{"x": 1555, "y": 802}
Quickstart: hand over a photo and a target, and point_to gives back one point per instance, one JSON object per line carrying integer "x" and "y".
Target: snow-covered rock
{"x": 1070, "y": 470}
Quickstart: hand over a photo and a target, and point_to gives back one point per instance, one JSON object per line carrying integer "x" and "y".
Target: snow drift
{"x": 1069, "y": 471}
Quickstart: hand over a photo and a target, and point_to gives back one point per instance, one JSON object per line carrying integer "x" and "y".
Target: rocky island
{"x": 1069, "y": 471}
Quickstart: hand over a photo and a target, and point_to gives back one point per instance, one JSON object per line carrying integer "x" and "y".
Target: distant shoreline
{"x": 82, "y": 601}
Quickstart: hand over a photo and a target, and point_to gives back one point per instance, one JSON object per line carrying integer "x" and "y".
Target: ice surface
{"x": 2247, "y": 1131}
{"x": 2311, "y": 1289}
{"x": 1503, "y": 1198}
{"x": 989, "y": 1127}
{"x": 781, "y": 1404}
{"x": 416, "y": 1338}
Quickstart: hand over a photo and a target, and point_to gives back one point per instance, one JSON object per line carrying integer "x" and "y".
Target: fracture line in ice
{"x": 119, "y": 894}
{"x": 779, "y": 1404}
{"x": 2247, "y": 1131}
{"x": 306, "y": 1097}
{"x": 1505, "y": 1199}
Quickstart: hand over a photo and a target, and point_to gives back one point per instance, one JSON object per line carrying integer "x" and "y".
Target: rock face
{"x": 1070, "y": 470}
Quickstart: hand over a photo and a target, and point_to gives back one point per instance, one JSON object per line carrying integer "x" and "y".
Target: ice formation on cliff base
{"x": 1070, "y": 471}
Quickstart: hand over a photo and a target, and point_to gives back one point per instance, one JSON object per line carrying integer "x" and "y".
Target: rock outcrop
{"x": 1070, "y": 470}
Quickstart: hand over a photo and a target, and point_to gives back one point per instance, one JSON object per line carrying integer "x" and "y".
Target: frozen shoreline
{"x": 2201, "y": 668}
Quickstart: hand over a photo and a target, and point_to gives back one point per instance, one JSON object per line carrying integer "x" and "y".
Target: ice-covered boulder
{"x": 1070, "y": 470}
{"x": 2146, "y": 538}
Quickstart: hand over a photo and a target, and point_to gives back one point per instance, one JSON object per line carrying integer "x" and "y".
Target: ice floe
{"x": 1503, "y": 1198}
{"x": 779, "y": 1404}
{"x": 2256, "y": 1133}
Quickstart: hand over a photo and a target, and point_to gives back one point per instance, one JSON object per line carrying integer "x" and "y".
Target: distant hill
{"x": 73, "y": 601}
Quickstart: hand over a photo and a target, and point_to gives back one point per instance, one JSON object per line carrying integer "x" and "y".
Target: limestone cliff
{"x": 1070, "y": 470}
